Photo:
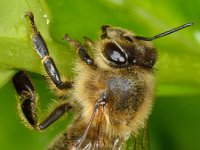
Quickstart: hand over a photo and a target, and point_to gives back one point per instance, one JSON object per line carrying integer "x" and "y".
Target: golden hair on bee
{"x": 114, "y": 91}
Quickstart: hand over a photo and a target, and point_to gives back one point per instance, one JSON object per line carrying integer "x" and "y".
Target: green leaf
{"x": 14, "y": 35}
{"x": 16, "y": 51}
{"x": 177, "y": 69}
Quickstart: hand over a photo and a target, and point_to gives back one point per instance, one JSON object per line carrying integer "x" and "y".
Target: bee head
{"x": 121, "y": 49}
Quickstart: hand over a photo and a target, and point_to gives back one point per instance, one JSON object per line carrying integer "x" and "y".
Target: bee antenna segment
{"x": 165, "y": 33}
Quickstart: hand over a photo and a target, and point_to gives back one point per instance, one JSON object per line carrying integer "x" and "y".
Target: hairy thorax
{"x": 129, "y": 96}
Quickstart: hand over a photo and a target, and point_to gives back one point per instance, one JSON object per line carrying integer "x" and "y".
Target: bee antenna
{"x": 165, "y": 33}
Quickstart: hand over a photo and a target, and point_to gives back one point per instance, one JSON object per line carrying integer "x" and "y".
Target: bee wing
{"x": 141, "y": 142}
{"x": 145, "y": 139}
{"x": 95, "y": 138}
{"x": 98, "y": 131}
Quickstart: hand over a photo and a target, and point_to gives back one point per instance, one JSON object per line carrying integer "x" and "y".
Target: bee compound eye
{"x": 114, "y": 54}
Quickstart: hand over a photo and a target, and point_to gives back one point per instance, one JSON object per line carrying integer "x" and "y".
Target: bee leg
{"x": 55, "y": 115}
{"x": 88, "y": 42}
{"x": 48, "y": 63}
{"x": 28, "y": 103}
{"x": 81, "y": 50}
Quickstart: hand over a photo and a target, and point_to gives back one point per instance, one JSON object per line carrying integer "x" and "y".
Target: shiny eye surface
{"x": 114, "y": 54}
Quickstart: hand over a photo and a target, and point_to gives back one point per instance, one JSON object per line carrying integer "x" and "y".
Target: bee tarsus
{"x": 81, "y": 50}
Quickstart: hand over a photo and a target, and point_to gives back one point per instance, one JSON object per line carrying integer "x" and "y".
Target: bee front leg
{"x": 88, "y": 42}
{"x": 81, "y": 50}
{"x": 28, "y": 103}
{"x": 48, "y": 63}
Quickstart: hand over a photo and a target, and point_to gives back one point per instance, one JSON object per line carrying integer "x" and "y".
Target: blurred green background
{"x": 175, "y": 120}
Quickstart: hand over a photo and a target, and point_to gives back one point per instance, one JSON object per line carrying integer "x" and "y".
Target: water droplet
{"x": 46, "y": 17}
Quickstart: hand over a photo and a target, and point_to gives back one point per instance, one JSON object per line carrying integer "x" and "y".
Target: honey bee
{"x": 112, "y": 93}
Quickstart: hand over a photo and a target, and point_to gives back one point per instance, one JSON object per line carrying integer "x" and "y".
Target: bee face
{"x": 121, "y": 49}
